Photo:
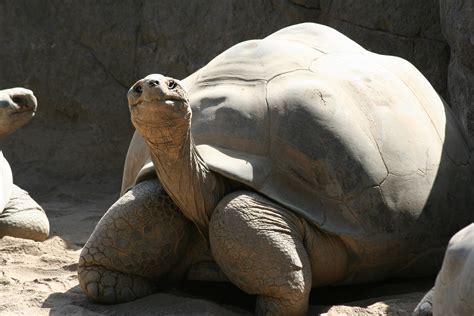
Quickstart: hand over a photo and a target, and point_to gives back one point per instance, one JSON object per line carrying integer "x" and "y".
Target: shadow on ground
{"x": 175, "y": 302}
{"x": 207, "y": 298}
{"x": 74, "y": 212}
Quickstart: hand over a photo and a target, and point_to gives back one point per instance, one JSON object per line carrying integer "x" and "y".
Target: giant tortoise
{"x": 20, "y": 215}
{"x": 301, "y": 159}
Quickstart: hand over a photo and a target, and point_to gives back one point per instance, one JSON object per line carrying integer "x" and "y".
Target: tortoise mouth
{"x": 23, "y": 111}
{"x": 136, "y": 104}
{"x": 170, "y": 101}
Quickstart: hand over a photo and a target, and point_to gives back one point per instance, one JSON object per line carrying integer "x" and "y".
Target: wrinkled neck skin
{"x": 10, "y": 122}
{"x": 183, "y": 173}
{"x": 9, "y": 125}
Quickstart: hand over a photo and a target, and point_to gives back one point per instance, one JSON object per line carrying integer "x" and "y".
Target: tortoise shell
{"x": 349, "y": 139}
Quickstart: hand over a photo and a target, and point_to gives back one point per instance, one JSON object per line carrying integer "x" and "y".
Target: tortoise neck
{"x": 187, "y": 179}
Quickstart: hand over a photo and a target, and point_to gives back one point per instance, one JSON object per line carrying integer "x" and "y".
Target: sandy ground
{"x": 40, "y": 278}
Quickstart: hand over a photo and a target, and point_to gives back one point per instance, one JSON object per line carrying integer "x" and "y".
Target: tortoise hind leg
{"x": 142, "y": 239}
{"x": 23, "y": 217}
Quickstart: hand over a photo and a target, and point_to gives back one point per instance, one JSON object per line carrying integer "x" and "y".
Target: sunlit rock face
{"x": 80, "y": 60}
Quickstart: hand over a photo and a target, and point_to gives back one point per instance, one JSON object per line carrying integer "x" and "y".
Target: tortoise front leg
{"x": 259, "y": 246}
{"x": 139, "y": 242}
{"x": 267, "y": 250}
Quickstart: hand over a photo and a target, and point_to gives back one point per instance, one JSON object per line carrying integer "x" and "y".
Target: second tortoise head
{"x": 17, "y": 107}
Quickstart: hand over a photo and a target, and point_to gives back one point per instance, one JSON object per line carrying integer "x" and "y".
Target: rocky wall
{"x": 80, "y": 57}
{"x": 457, "y": 21}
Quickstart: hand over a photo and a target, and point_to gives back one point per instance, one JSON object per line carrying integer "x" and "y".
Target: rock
{"x": 458, "y": 28}
{"x": 314, "y": 4}
{"x": 398, "y": 17}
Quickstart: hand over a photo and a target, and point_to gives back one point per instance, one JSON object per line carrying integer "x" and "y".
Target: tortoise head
{"x": 158, "y": 102}
{"x": 17, "y": 107}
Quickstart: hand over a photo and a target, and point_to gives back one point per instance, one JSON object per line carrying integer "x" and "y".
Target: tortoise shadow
{"x": 73, "y": 216}
{"x": 223, "y": 298}
{"x": 322, "y": 299}
{"x": 196, "y": 298}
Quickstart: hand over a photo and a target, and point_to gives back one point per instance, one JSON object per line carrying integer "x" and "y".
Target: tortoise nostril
{"x": 21, "y": 101}
{"x": 153, "y": 83}
{"x": 138, "y": 89}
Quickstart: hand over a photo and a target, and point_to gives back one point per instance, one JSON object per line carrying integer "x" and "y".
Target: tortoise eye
{"x": 171, "y": 84}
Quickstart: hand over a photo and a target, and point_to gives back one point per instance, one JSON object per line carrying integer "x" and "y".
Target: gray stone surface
{"x": 80, "y": 58}
{"x": 457, "y": 21}
{"x": 416, "y": 19}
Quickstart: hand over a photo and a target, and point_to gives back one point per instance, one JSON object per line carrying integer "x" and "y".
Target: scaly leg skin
{"x": 23, "y": 217}
{"x": 259, "y": 246}
{"x": 141, "y": 240}
{"x": 425, "y": 306}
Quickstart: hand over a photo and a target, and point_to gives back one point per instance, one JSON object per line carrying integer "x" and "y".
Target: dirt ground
{"x": 40, "y": 278}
